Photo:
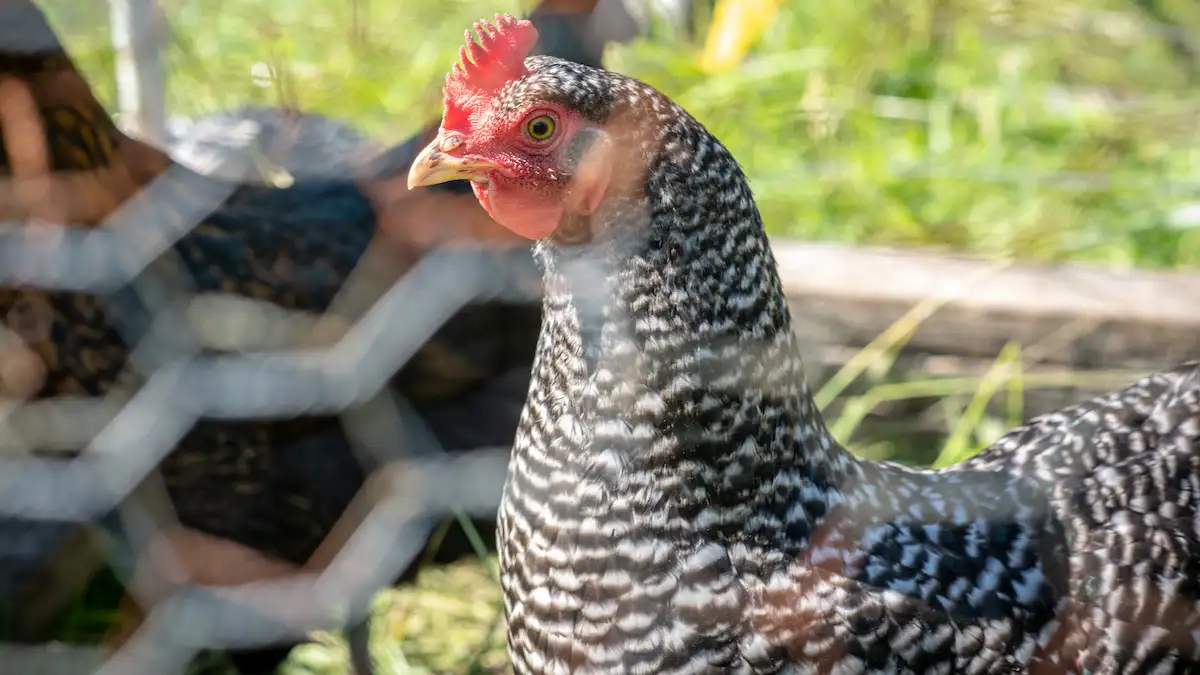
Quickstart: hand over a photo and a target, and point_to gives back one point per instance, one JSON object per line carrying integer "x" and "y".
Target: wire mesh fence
{"x": 196, "y": 356}
{"x": 123, "y": 436}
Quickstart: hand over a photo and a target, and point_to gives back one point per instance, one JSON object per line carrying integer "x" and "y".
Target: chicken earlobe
{"x": 590, "y": 158}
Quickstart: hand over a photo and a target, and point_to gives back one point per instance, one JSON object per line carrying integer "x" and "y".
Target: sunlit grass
{"x": 955, "y": 124}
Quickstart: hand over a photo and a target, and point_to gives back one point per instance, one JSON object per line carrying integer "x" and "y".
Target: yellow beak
{"x": 435, "y": 165}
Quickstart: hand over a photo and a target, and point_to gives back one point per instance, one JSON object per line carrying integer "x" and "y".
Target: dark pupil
{"x": 540, "y": 128}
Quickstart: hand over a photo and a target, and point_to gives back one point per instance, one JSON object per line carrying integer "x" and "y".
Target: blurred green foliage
{"x": 998, "y": 127}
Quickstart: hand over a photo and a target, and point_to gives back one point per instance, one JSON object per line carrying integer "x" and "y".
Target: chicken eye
{"x": 540, "y": 128}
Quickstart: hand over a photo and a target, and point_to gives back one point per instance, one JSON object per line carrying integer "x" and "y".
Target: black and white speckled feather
{"x": 675, "y": 503}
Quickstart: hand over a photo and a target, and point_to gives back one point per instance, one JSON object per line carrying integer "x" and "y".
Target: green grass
{"x": 451, "y": 622}
{"x": 919, "y": 123}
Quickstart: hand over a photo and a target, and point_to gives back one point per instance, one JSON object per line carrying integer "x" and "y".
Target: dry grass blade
{"x": 882, "y": 351}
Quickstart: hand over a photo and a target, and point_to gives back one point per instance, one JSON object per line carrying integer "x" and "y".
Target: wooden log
{"x": 1066, "y": 318}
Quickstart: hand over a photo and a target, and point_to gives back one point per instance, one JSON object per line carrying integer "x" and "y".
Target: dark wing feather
{"x": 1122, "y": 473}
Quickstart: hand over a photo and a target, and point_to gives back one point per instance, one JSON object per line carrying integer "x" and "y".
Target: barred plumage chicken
{"x": 675, "y": 502}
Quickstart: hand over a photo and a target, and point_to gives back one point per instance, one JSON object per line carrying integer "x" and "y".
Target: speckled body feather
{"x": 675, "y": 503}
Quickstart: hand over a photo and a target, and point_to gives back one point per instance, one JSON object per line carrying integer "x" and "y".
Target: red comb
{"x": 498, "y": 58}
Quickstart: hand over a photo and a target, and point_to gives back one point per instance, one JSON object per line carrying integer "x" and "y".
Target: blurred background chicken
{"x": 257, "y": 498}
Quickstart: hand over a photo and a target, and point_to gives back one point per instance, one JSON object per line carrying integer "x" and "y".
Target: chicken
{"x": 675, "y": 502}
{"x": 293, "y": 248}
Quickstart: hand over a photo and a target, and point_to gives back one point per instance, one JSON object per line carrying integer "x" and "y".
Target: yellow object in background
{"x": 736, "y": 25}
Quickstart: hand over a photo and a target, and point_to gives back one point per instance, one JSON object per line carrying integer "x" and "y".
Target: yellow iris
{"x": 540, "y": 128}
